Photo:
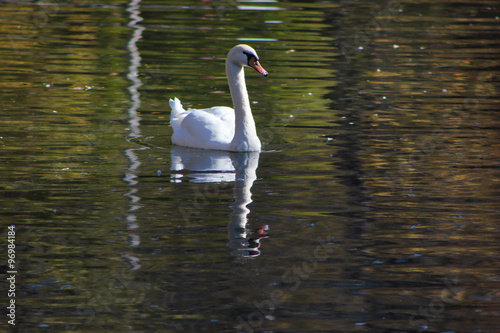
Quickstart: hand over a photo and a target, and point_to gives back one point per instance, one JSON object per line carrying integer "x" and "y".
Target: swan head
{"x": 245, "y": 56}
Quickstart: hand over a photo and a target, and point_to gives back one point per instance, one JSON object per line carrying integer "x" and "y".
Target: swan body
{"x": 221, "y": 127}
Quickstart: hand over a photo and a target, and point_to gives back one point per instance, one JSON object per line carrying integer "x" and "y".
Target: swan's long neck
{"x": 245, "y": 134}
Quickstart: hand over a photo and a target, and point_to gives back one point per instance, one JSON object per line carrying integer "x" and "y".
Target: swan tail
{"x": 177, "y": 115}
{"x": 176, "y": 106}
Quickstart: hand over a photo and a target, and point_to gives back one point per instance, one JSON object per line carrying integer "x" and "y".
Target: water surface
{"x": 378, "y": 180}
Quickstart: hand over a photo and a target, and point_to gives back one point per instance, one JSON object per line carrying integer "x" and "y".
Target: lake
{"x": 373, "y": 206}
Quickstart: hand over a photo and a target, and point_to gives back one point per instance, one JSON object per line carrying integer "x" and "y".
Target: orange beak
{"x": 255, "y": 65}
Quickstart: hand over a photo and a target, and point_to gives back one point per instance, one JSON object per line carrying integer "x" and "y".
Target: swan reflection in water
{"x": 211, "y": 166}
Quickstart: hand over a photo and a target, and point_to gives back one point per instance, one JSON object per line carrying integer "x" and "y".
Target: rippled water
{"x": 378, "y": 181}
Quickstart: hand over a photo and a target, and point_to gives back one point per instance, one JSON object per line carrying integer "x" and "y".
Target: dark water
{"x": 379, "y": 179}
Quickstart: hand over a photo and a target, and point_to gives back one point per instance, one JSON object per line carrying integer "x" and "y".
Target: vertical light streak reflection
{"x": 133, "y": 9}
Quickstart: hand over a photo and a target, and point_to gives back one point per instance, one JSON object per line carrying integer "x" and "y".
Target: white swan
{"x": 220, "y": 127}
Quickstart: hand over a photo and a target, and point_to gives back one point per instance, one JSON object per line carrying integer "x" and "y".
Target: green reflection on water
{"x": 392, "y": 153}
